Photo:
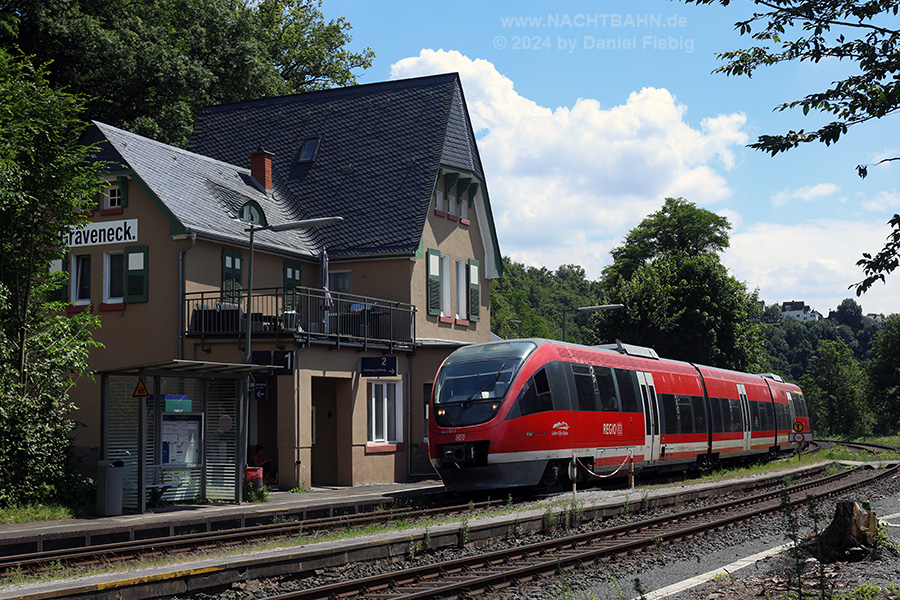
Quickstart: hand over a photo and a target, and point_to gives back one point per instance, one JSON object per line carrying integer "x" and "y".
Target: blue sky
{"x": 589, "y": 114}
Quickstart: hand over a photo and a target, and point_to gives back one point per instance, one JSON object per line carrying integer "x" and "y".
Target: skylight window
{"x": 308, "y": 150}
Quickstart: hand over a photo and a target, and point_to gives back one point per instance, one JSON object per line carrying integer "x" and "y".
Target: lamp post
{"x": 518, "y": 325}
{"x": 282, "y": 227}
{"x": 588, "y": 309}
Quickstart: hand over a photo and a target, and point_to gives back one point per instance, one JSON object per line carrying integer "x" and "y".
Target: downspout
{"x": 181, "y": 254}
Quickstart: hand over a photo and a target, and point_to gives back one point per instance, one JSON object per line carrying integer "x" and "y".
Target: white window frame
{"x": 451, "y": 205}
{"x": 382, "y": 409}
{"x": 464, "y": 210}
{"x": 462, "y": 290}
{"x": 76, "y": 280}
{"x": 107, "y": 278}
{"x": 439, "y": 201}
{"x": 112, "y": 197}
{"x": 446, "y": 278}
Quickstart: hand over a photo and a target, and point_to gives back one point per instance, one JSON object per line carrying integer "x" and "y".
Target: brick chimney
{"x": 261, "y": 168}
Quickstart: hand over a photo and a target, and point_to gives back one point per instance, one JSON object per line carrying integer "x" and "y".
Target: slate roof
{"x": 201, "y": 194}
{"x": 380, "y": 150}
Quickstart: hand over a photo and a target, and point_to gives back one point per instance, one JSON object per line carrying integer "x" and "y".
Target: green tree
{"x": 542, "y": 300}
{"x": 678, "y": 297}
{"x": 884, "y": 376}
{"x": 860, "y": 33}
{"x": 849, "y": 313}
{"x": 150, "y": 65}
{"x": 46, "y": 184}
{"x": 686, "y": 308}
{"x": 679, "y": 226}
{"x": 834, "y": 391}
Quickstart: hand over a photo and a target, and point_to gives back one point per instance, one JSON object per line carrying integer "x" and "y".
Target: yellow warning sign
{"x": 140, "y": 390}
{"x": 798, "y": 427}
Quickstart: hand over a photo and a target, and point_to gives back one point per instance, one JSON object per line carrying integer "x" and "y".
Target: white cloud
{"x": 566, "y": 183}
{"x": 807, "y": 193}
{"x": 882, "y": 202}
{"x": 791, "y": 262}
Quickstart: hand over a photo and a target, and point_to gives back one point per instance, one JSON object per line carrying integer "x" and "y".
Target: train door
{"x": 651, "y": 415}
{"x": 745, "y": 415}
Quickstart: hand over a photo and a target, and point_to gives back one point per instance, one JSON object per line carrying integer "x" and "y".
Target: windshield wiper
{"x": 468, "y": 401}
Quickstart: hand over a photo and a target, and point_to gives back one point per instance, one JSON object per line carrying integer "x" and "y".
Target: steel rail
{"x": 456, "y": 577}
{"x": 118, "y": 551}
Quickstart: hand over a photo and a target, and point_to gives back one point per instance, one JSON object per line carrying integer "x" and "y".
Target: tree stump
{"x": 851, "y": 529}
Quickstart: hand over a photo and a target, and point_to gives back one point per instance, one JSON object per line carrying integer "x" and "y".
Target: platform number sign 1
{"x": 378, "y": 366}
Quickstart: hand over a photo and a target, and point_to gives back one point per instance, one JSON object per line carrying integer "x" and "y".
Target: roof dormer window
{"x": 252, "y": 213}
{"x": 308, "y": 150}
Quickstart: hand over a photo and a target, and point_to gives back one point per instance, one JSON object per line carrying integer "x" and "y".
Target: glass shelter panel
{"x": 221, "y": 441}
{"x": 122, "y": 431}
{"x": 178, "y": 437}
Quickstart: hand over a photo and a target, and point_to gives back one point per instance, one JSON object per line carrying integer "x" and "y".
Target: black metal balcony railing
{"x": 300, "y": 311}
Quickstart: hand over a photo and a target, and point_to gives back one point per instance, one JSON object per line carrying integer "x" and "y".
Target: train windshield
{"x": 473, "y": 382}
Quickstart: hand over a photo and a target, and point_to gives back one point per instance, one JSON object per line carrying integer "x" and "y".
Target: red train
{"x": 532, "y": 412}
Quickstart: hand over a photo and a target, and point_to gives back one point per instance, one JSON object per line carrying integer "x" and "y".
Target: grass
{"x": 35, "y": 512}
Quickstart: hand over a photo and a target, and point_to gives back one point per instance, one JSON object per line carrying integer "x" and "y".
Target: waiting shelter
{"x": 179, "y": 429}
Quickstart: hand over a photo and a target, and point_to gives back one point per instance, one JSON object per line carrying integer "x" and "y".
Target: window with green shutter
{"x": 474, "y": 291}
{"x": 231, "y": 276}
{"x": 434, "y": 281}
{"x": 123, "y": 190}
{"x": 136, "y": 265}
{"x": 60, "y": 294}
{"x": 291, "y": 283}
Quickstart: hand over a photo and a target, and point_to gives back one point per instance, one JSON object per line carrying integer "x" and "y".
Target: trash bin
{"x": 110, "y": 481}
{"x": 254, "y": 476}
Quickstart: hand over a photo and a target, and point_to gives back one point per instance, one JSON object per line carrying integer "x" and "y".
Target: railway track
{"x": 38, "y": 562}
{"x": 494, "y": 571}
{"x": 869, "y": 447}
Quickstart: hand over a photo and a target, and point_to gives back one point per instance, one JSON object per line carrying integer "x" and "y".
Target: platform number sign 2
{"x": 378, "y": 366}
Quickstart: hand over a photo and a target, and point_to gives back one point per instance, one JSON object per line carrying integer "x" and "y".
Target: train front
{"x": 472, "y": 395}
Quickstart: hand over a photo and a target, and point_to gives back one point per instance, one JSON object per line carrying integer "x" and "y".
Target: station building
{"x": 347, "y": 322}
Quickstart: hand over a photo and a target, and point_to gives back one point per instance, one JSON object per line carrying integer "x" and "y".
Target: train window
{"x": 734, "y": 420}
{"x": 715, "y": 408}
{"x": 755, "y": 421}
{"x": 685, "y": 412}
{"x": 585, "y": 391}
{"x": 536, "y": 396}
{"x": 606, "y": 387}
{"x": 699, "y": 414}
{"x": 628, "y": 393}
{"x": 669, "y": 414}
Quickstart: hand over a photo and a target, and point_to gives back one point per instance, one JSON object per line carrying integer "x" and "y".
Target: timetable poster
{"x": 181, "y": 437}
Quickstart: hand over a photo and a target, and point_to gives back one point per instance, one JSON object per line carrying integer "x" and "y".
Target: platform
{"x": 163, "y": 521}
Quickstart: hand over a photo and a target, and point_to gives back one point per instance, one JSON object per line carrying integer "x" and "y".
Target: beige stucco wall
{"x": 143, "y": 332}
{"x": 459, "y": 241}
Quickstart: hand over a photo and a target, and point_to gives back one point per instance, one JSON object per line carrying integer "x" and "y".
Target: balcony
{"x": 303, "y": 314}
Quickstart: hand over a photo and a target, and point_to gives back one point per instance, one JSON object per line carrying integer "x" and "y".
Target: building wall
{"x": 148, "y": 332}
{"x": 144, "y": 331}
{"x": 458, "y": 241}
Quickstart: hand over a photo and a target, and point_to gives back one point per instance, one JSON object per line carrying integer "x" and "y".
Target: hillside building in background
{"x": 350, "y": 320}
{"x": 799, "y": 311}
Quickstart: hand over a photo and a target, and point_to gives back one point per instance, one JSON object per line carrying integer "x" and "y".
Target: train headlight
{"x": 441, "y": 412}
